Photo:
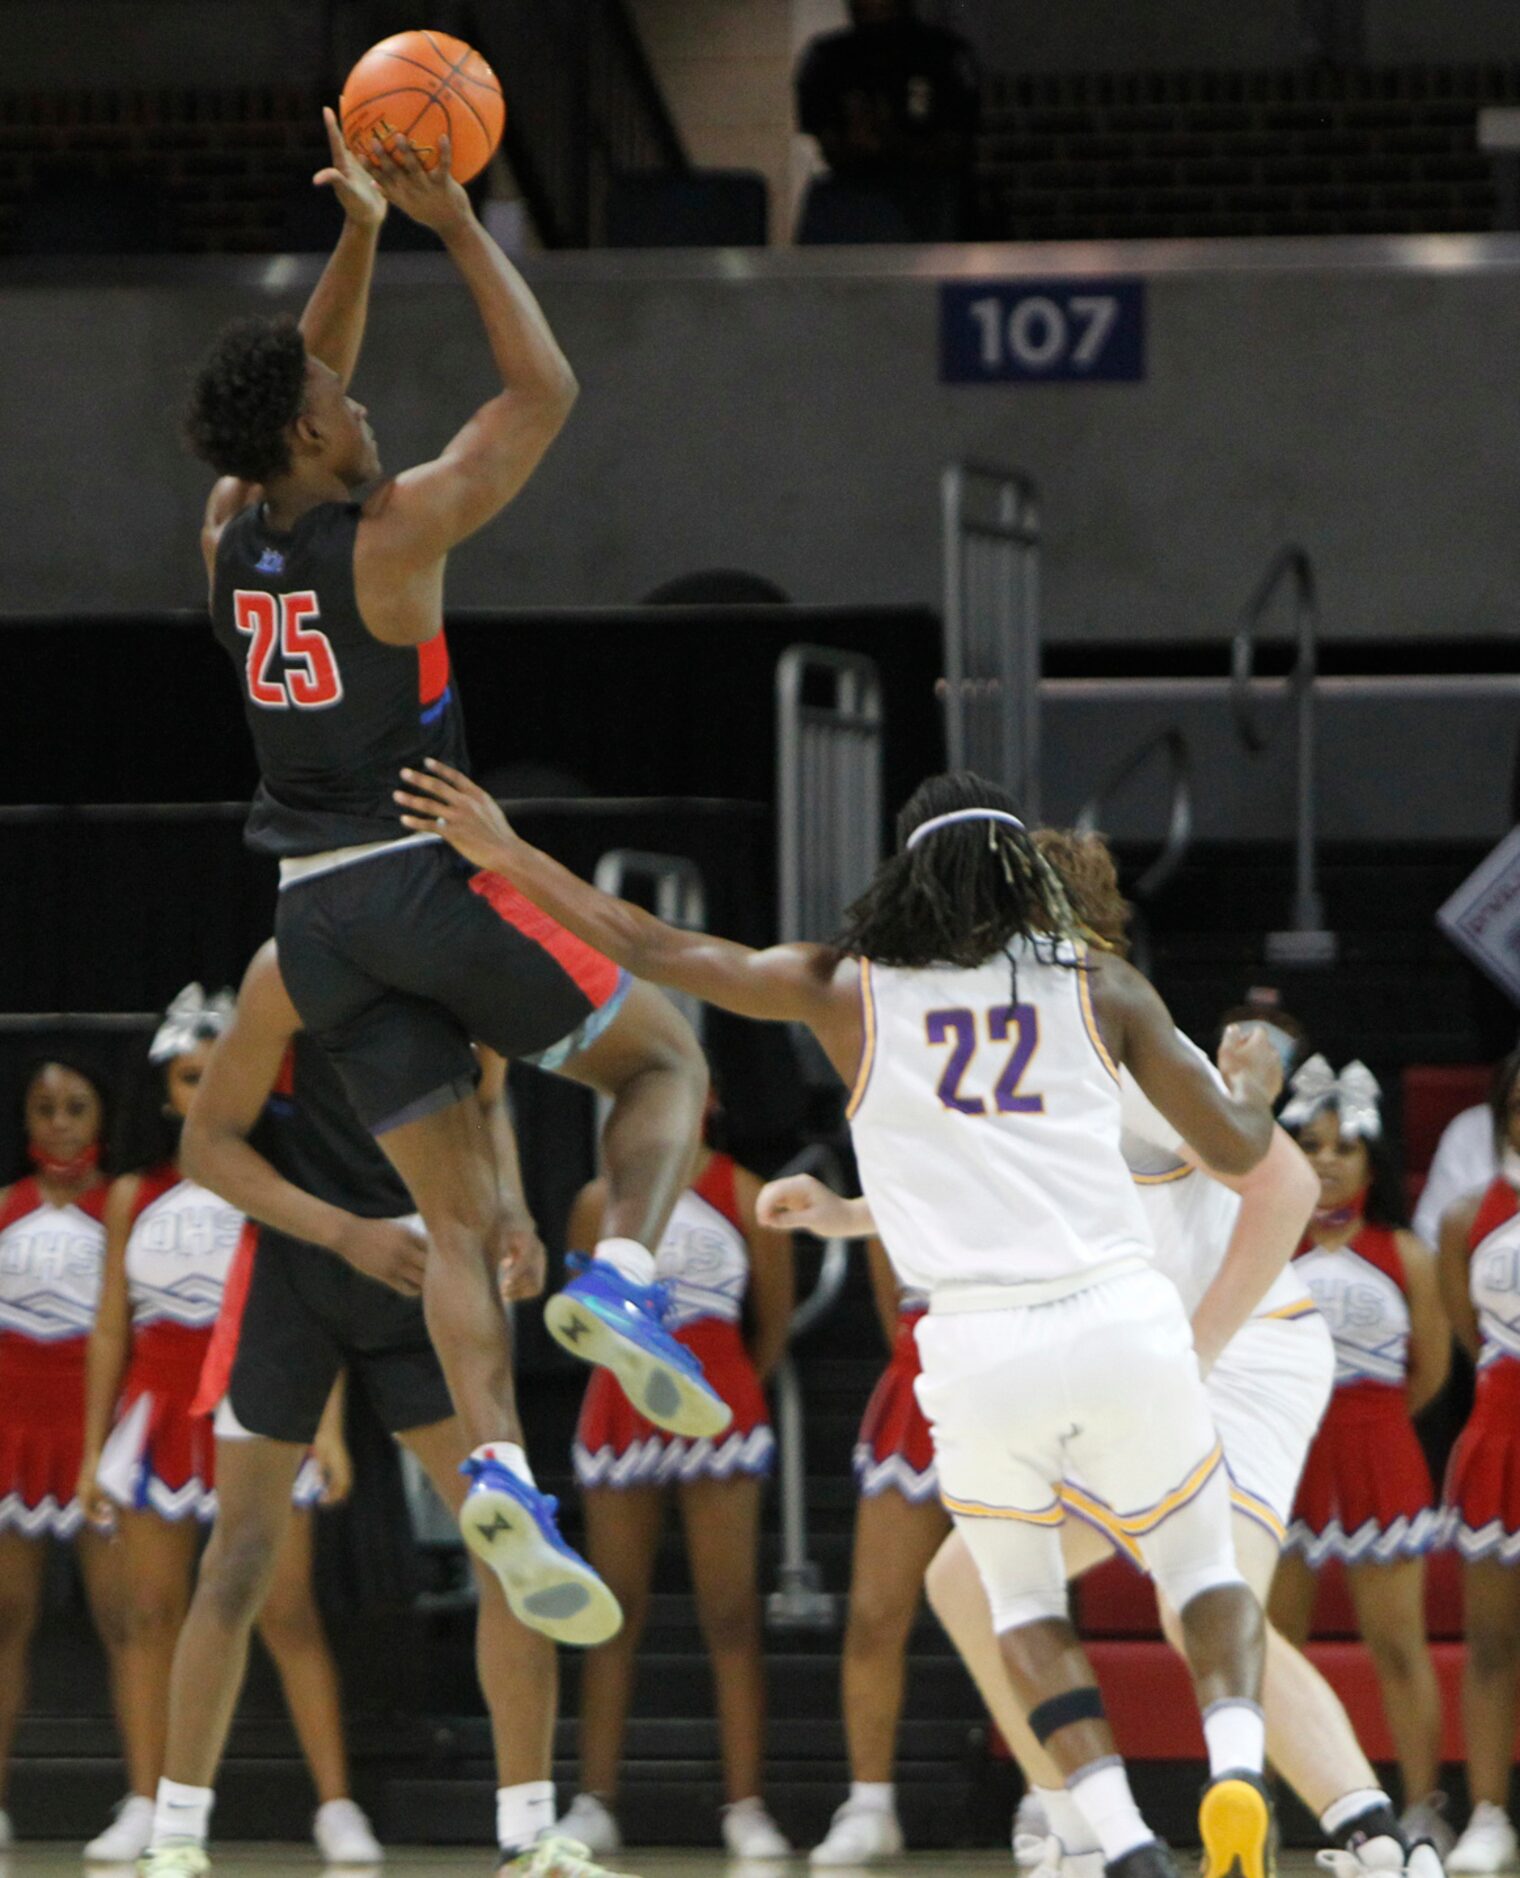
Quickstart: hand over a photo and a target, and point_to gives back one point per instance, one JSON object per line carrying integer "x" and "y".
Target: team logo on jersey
{"x": 271, "y": 561}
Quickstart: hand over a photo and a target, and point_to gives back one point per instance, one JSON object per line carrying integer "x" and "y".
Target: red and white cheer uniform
{"x": 50, "y": 1264}
{"x": 1483, "y": 1478}
{"x": 704, "y": 1260}
{"x": 894, "y": 1451}
{"x": 161, "y": 1455}
{"x": 1366, "y": 1496}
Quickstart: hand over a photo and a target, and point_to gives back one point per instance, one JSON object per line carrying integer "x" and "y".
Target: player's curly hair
{"x": 247, "y": 393}
{"x": 963, "y": 894}
{"x": 1086, "y": 864}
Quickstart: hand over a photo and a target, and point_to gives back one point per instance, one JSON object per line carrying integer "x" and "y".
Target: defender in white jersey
{"x": 984, "y": 1043}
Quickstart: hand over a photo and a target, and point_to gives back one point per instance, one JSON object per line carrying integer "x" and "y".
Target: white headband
{"x": 962, "y": 815}
{"x": 189, "y": 1020}
{"x": 1353, "y": 1094}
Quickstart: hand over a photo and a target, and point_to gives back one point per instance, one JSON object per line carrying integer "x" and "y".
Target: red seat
{"x": 1433, "y": 1094}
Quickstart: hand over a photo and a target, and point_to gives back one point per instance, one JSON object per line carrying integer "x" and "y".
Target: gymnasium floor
{"x": 413, "y": 1862}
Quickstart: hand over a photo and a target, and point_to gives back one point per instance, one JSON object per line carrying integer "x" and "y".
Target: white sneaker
{"x": 1382, "y": 1856}
{"x": 1426, "y": 1819}
{"x": 1030, "y": 1830}
{"x": 185, "y": 1860}
{"x": 127, "y": 1837}
{"x": 344, "y": 1836}
{"x": 552, "y": 1857}
{"x": 750, "y": 1832}
{"x": 1489, "y": 1843}
{"x": 858, "y": 1835}
{"x": 591, "y": 1824}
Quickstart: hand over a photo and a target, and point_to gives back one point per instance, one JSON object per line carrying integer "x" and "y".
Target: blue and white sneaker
{"x": 603, "y": 1318}
{"x": 510, "y": 1526}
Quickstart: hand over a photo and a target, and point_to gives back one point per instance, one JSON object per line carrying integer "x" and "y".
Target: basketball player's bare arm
{"x": 215, "y": 1147}
{"x": 1429, "y": 1330}
{"x": 1230, "y": 1131}
{"x": 1454, "y": 1261}
{"x": 1276, "y": 1199}
{"x": 802, "y": 984}
{"x": 802, "y": 1203}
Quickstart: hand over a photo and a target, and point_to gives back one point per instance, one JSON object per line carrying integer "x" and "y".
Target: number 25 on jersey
{"x": 1017, "y": 1025}
{"x": 277, "y": 626}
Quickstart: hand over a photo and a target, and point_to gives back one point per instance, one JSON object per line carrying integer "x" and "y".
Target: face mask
{"x": 1338, "y": 1218}
{"x": 82, "y": 1164}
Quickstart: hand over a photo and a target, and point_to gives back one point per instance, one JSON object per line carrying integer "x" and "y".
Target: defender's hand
{"x": 523, "y": 1269}
{"x": 429, "y": 196}
{"x": 387, "y": 1250}
{"x": 337, "y": 1466}
{"x": 1246, "y": 1056}
{"x": 801, "y": 1203}
{"x": 447, "y": 803}
{"x": 363, "y": 202}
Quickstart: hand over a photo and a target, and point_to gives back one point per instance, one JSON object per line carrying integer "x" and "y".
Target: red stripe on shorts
{"x": 596, "y": 976}
{"x": 221, "y": 1352}
{"x": 432, "y": 669}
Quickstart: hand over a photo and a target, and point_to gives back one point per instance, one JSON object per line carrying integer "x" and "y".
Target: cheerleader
{"x": 147, "y": 1471}
{"x": 52, "y": 1243}
{"x": 1365, "y": 1497}
{"x": 1480, "y": 1284}
{"x": 714, "y": 1258}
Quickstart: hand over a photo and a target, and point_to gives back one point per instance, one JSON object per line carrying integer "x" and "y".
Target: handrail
{"x": 828, "y": 788}
{"x": 1179, "y": 827}
{"x": 1308, "y": 942}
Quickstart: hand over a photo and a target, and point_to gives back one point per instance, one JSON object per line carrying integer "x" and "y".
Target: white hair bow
{"x": 189, "y": 1020}
{"x": 1353, "y": 1095}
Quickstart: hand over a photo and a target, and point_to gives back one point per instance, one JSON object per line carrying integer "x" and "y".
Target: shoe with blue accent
{"x": 604, "y": 1318}
{"x": 510, "y": 1526}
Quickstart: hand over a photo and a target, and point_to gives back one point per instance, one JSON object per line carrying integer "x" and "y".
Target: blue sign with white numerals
{"x": 996, "y": 332}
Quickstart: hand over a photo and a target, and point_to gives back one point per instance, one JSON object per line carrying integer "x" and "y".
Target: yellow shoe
{"x": 1236, "y": 1824}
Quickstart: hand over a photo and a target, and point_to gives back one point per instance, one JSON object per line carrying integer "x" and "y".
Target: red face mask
{"x": 1338, "y": 1218}
{"x": 82, "y": 1165}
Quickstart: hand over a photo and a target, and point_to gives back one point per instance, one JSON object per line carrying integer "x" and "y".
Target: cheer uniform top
{"x": 1366, "y": 1493}
{"x": 396, "y": 952}
{"x": 703, "y": 1259}
{"x": 1483, "y": 1478}
{"x": 50, "y": 1265}
{"x": 160, "y": 1456}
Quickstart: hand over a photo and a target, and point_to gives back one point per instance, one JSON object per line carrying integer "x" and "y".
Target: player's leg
{"x": 1390, "y": 1611}
{"x": 1491, "y": 1607}
{"x": 22, "y": 1561}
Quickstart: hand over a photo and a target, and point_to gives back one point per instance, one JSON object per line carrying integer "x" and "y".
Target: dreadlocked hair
{"x": 964, "y": 893}
{"x": 247, "y": 393}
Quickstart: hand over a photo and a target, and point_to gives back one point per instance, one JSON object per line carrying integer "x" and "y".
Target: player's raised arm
{"x": 427, "y": 510}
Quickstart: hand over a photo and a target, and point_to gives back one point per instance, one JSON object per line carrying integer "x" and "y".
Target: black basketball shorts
{"x": 399, "y": 962}
{"x": 309, "y": 1315}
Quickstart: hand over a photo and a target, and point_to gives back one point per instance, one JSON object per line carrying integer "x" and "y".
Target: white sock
{"x": 523, "y": 1813}
{"x": 1102, "y": 1792}
{"x": 634, "y": 1261}
{"x": 879, "y": 1794}
{"x": 182, "y": 1814}
{"x": 1066, "y": 1820}
{"x": 1236, "y": 1731}
{"x": 507, "y": 1454}
{"x": 1340, "y": 1813}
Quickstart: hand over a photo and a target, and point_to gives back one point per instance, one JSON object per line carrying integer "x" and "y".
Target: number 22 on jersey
{"x": 277, "y": 624}
{"x": 1014, "y": 1024}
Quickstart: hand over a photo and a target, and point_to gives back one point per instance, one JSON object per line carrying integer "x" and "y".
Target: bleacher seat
{"x": 1433, "y": 1094}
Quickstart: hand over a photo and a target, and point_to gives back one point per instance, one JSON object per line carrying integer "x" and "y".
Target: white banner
{"x": 1482, "y": 918}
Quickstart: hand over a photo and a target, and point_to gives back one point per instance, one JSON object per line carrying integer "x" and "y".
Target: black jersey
{"x": 334, "y": 713}
{"x": 310, "y": 1133}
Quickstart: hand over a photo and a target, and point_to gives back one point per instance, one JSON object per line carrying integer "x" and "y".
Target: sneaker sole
{"x": 1235, "y": 1824}
{"x": 547, "y": 1591}
{"x": 661, "y": 1393}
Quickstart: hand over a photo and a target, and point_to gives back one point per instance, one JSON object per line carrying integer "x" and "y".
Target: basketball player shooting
{"x": 327, "y": 592}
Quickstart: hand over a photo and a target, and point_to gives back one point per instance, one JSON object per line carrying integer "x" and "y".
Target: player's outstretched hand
{"x": 801, "y": 1203}
{"x": 1246, "y": 1054}
{"x": 387, "y": 1250}
{"x": 429, "y": 196}
{"x": 447, "y": 803}
{"x": 362, "y": 198}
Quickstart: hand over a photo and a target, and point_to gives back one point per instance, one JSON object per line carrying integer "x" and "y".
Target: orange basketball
{"x": 425, "y": 86}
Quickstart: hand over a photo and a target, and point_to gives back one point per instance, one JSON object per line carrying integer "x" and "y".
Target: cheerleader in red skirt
{"x": 1366, "y": 1495}
{"x": 714, "y": 1256}
{"x": 52, "y": 1244}
{"x": 1480, "y": 1282}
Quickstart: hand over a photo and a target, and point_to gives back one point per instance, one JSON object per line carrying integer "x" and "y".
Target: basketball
{"x": 425, "y": 86}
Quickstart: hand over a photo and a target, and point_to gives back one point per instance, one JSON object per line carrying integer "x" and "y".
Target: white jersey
{"x": 705, "y": 1261}
{"x": 986, "y": 1123}
{"x": 1191, "y": 1216}
{"x": 179, "y": 1252}
{"x": 50, "y": 1262}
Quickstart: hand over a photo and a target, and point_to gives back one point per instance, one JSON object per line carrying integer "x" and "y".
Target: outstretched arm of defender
{"x": 427, "y": 510}
{"x": 786, "y": 984}
{"x": 1276, "y": 1199}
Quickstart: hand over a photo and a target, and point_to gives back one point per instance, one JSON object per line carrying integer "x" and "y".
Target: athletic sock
{"x": 523, "y": 1813}
{"x": 182, "y": 1814}
{"x": 1066, "y": 1820}
{"x": 1236, "y": 1733}
{"x": 1102, "y": 1792}
{"x": 507, "y": 1454}
{"x": 878, "y": 1794}
{"x": 1364, "y": 1813}
{"x": 634, "y": 1261}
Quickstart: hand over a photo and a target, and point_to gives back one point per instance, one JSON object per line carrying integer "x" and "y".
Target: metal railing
{"x": 992, "y": 626}
{"x": 1307, "y": 943}
{"x": 828, "y": 786}
{"x": 1172, "y": 747}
